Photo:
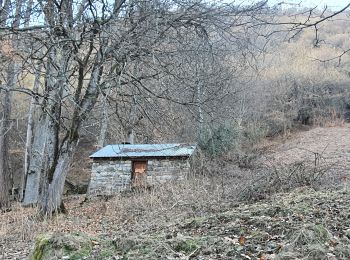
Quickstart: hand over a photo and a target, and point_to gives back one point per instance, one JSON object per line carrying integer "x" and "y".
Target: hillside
{"x": 203, "y": 218}
{"x": 261, "y": 88}
{"x": 301, "y": 225}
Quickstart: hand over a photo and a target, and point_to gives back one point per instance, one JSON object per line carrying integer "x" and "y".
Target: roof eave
{"x": 141, "y": 157}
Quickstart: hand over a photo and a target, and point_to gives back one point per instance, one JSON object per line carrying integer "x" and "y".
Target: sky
{"x": 333, "y": 4}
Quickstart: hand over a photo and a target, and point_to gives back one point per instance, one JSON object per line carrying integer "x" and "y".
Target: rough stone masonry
{"x": 111, "y": 177}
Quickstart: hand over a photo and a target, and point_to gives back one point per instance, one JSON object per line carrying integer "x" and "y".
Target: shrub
{"x": 304, "y": 103}
{"x": 217, "y": 141}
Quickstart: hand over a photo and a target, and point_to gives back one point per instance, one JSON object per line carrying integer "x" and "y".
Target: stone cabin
{"x": 121, "y": 167}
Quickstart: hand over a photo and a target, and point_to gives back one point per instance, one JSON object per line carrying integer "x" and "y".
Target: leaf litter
{"x": 169, "y": 224}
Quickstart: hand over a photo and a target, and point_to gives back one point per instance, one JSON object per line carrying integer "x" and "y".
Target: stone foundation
{"x": 111, "y": 177}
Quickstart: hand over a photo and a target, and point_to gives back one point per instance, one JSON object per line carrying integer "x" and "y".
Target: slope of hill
{"x": 202, "y": 218}
{"x": 300, "y": 225}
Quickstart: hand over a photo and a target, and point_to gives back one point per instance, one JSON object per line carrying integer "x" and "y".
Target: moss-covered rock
{"x": 41, "y": 246}
{"x": 57, "y": 246}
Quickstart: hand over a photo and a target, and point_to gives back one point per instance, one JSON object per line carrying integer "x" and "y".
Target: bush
{"x": 278, "y": 123}
{"x": 253, "y": 133}
{"x": 304, "y": 103}
{"x": 323, "y": 103}
{"x": 219, "y": 140}
{"x": 237, "y": 144}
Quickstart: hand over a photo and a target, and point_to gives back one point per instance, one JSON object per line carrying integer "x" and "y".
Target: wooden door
{"x": 139, "y": 173}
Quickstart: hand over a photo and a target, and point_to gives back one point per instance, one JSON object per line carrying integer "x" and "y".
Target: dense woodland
{"x": 76, "y": 75}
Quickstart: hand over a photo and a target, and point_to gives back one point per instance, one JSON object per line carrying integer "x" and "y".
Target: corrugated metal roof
{"x": 144, "y": 150}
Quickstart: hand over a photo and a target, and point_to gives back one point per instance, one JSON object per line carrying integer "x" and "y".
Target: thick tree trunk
{"x": 51, "y": 196}
{"x": 48, "y": 169}
{"x": 30, "y": 129}
{"x": 53, "y": 191}
{"x": 42, "y": 160}
{"x": 36, "y": 163}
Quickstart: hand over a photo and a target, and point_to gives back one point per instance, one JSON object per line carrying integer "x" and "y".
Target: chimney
{"x": 130, "y": 138}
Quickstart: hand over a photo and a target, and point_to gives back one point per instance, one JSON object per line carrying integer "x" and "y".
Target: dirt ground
{"x": 203, "y": 218}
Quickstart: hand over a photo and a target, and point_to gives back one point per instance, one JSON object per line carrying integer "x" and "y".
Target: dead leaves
{"x": 261, "y": 231}
{"x": 241, "y": 240}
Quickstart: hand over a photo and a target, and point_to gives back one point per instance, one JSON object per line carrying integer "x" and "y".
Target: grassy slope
{"x": 303, "y": 224}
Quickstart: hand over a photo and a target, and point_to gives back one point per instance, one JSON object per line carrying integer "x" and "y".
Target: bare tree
{"x": 6, "y": 96}
{"x": 84, "y": 47}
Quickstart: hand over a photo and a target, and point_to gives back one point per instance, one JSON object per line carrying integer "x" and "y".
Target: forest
{"x": 260, "y": 87}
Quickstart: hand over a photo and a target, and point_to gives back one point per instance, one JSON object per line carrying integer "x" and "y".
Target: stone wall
{"x": 110, "y": 177}
{"x": 160, "y": 171}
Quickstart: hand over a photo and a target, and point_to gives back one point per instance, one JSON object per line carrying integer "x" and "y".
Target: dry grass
{"x": 303, "y": 224}
{"x": 140, "y": 211}
{"x": 168, "y": 206}
{"x": 318, "y": 158}
{"x": 330, "y": 142}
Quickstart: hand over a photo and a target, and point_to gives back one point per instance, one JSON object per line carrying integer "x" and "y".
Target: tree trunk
{"x": 5, "y": 174}
{"x": 199, "y": 93}
{"x": 11, "y": 75}
{"x": 51, "y": 196}
{"x": 30, "y": 129}
{"x": 35, "y": 168}
{"x": 104, "y": 125}
{"x": 45, "y": 184}
{"x": 133, "y": 120}
{"x": 6, "y": 182}
{"x": 42, "y": 160}
{"x": 200, "y": 118}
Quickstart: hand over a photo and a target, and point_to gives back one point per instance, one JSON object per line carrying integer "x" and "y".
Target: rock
{"x": 54, "y": 246}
